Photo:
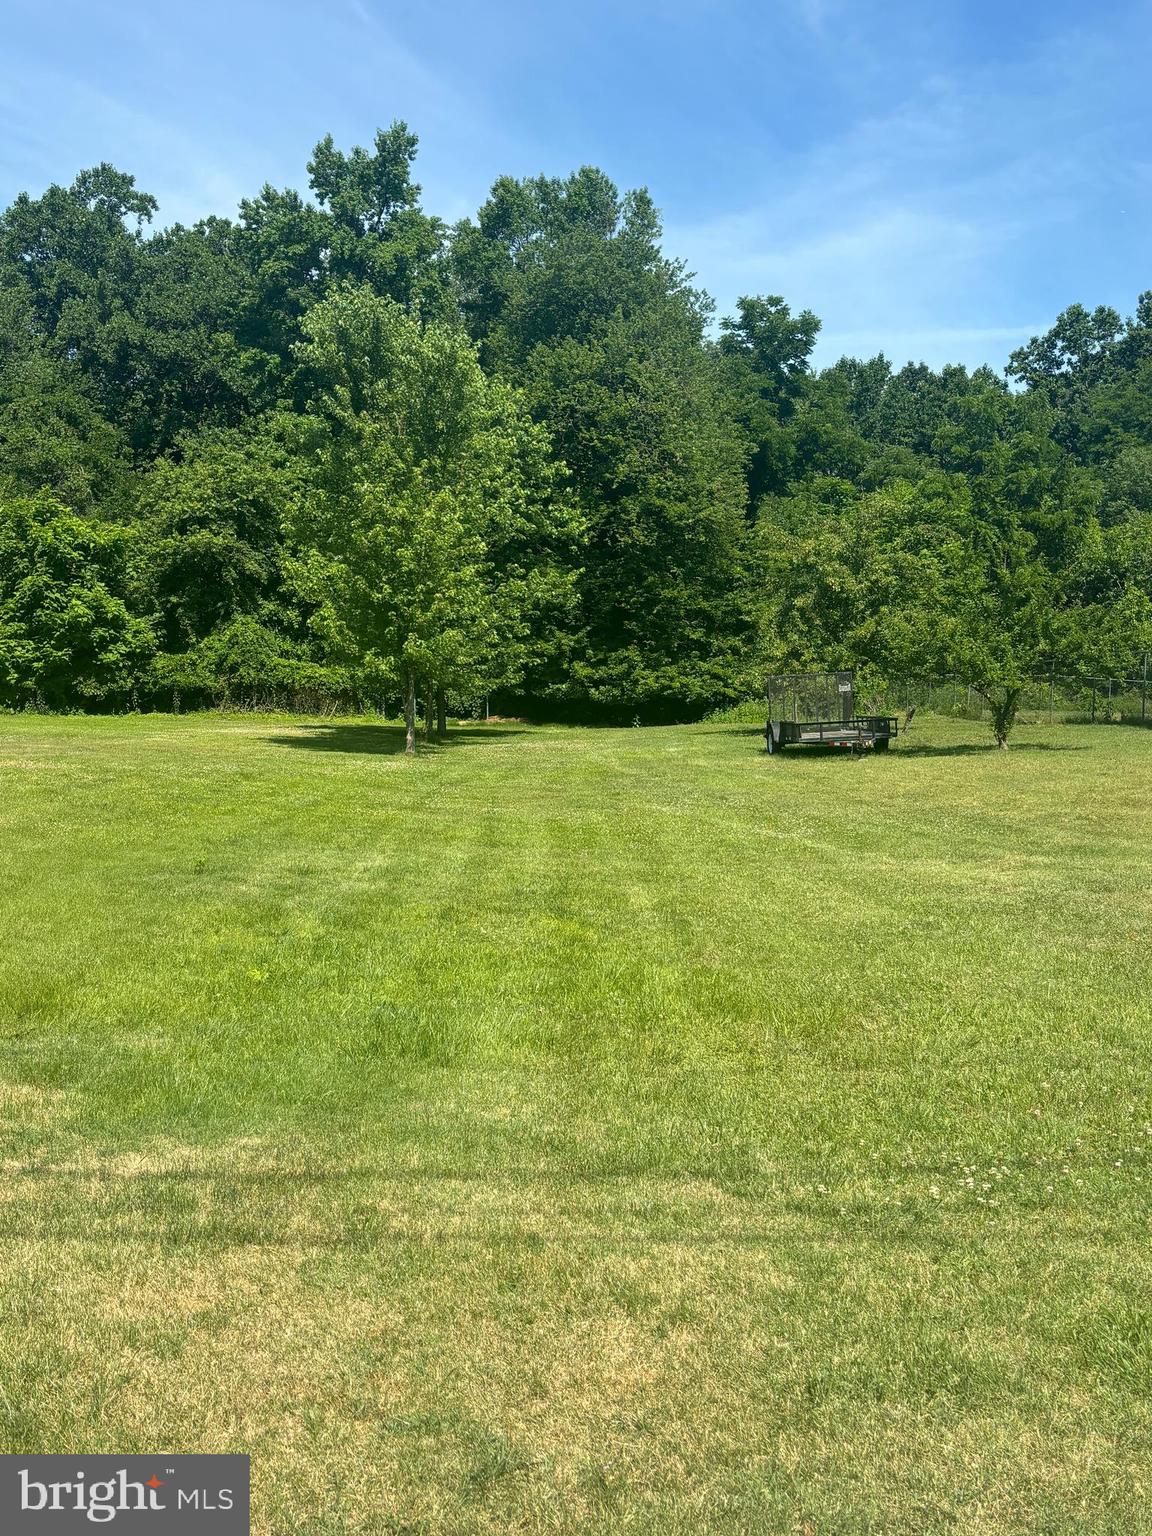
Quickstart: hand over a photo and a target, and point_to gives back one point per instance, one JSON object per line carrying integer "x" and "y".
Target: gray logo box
{"x": 137, "y": 1495}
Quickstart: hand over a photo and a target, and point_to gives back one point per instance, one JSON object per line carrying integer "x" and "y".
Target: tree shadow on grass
{"x": 823, "y": 754}
{"x": 975, "y": 749}
{"x": 383, "y": 740}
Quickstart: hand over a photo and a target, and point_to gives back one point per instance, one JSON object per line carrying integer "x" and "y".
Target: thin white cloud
{"x": 815, "y": 14}
{"x": 225, "y": 151}
{"x": 104, "y": 127}
{"x": 891, "y": 230}
{"x": 975, "y": 345}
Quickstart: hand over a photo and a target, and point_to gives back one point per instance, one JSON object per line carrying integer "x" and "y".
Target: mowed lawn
{"x": 583, "y": 1130}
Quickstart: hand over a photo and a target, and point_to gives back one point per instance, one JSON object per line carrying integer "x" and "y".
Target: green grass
{"x": 583, "y": 1131}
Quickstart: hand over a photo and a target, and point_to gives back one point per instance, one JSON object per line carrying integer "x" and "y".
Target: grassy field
{"x": 583, "y": 1131}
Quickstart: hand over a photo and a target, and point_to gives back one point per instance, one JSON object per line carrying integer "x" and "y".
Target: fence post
{"x": 1093, "y": 701}
{"x": 1144, "y": 690}
{"x": 1051, "y": 671}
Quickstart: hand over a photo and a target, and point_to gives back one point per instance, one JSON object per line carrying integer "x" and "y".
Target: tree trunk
{"x": 1004, "y": 716}
{"x": 428, "y": 714}
{"x": 441, "y": 714}
{"x": 410, "y": 714}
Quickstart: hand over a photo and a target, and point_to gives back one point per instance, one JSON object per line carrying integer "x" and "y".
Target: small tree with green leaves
{"x": 997, "y": 629}
{"x": 912, "y": 581}
{"x": 430, "y": 533}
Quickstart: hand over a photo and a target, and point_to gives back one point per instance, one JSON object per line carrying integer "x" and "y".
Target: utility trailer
{"x": 818, "y": 709}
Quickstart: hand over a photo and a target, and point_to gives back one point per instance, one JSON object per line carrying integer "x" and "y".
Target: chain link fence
{"x": 1051, "y": 697}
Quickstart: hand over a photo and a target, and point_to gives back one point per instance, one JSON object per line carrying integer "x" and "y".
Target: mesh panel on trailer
{"x": 810, "y": 696}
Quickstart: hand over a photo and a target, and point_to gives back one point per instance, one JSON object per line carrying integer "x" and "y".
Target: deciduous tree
{"x": 429, "y": 527}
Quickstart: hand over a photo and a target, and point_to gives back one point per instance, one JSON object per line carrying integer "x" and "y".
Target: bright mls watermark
{"x": 150, "y": 1495}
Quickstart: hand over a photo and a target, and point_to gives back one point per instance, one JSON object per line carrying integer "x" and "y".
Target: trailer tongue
{"x": 817, "y": 709}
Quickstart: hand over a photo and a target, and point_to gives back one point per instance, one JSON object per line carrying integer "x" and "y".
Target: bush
{"x": 67, "y": 636}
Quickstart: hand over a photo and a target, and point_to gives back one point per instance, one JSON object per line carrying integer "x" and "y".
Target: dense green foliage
{"x": 334, "y": 445}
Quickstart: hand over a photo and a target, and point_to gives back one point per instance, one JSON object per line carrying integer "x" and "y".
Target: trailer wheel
{"x": 773, "y": 744}
{"x": 882, "y": 743}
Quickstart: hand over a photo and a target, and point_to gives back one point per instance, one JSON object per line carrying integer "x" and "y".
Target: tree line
{"x": 334, "y": 448}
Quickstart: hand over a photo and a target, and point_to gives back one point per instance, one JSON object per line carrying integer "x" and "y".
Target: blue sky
{"x": 936, "y": 178}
